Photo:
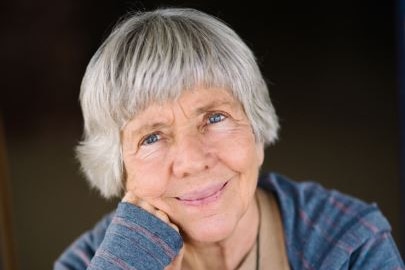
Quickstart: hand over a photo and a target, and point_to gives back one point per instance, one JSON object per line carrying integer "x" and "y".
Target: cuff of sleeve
{"x": 137, "y": 239}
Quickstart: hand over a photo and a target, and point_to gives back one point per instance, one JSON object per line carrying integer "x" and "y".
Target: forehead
{"x": 190, "y": 102}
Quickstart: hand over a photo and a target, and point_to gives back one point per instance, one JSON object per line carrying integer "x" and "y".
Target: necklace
{"x": 251, "y": 260}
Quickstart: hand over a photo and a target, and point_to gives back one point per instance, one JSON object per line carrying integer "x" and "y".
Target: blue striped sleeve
{"x": 325, "y": 229}
{"x": 134, "y": 239}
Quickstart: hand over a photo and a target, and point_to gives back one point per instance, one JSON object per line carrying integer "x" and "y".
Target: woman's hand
{"x": 135, "y": 200}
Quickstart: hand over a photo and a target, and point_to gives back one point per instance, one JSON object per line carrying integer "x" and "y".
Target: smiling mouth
{"x": 203, "y": 196}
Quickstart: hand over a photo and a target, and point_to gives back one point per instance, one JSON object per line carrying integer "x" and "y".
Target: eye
{"x": 216, "y": 118}
{"x": 150, "y": 139}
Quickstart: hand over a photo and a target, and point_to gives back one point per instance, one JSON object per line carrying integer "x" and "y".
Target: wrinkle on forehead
{"x": 191, "y": 104}
{"x": 201, "y": 100}
{"x": 154, "y": 117}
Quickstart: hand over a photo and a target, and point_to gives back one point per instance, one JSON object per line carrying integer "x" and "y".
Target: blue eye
{"x": 216, "y": 118}
{"x": 150, "y": 139}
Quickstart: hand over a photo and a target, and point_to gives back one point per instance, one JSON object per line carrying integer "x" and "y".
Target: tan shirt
{"x": 269, "y": 252}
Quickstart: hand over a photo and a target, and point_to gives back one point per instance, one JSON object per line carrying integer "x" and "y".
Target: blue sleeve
{"x": 325, "y": 229}
{"x": 378, "y": 252}
{"x": 129, "y": 239}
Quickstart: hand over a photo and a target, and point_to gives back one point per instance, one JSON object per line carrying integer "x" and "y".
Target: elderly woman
{"x": 177, "y": 116}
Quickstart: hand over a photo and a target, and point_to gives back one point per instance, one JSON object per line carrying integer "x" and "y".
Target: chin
{"x": 210, "y": 231}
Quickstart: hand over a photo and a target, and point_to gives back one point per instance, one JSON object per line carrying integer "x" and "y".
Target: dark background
{"x": 331, "y": 68}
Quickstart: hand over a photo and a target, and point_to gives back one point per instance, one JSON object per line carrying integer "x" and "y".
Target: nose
{"x": 192, "y": 156}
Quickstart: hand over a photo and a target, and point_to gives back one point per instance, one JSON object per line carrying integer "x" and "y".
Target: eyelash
{"x": 215, "y": 117}
{"x": 150, "y": 139}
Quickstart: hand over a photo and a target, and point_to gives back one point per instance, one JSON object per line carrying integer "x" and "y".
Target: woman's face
{"x": 196, "y": 159}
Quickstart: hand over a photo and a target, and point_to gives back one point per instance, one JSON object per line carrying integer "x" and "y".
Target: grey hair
{"x": 152, "y": 57}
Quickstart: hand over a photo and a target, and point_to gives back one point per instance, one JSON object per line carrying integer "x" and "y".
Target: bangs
{"x": 163, "y": 59}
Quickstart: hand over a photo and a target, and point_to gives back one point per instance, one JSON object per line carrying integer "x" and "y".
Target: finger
{"x": 133, "y": 199}
{"x": 147, "y": 206}
{"x": 160, "y": 214}
{"x": 164, "y": 217}
{"x": 130, "y": 198}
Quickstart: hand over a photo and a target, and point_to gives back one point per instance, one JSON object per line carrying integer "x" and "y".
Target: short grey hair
{"x": 154, "y": 56}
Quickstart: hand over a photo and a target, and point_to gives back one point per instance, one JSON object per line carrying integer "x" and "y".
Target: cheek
{"x": 239, "y": 151}
{"x": 237, "y": 148}
{"x": 146, "y": 179}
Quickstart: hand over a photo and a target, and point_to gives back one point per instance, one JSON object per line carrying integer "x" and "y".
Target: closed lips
{"x": 203, "y": 193}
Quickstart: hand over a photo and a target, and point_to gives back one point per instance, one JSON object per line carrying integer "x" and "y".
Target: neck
{"x": 227, "y": 253}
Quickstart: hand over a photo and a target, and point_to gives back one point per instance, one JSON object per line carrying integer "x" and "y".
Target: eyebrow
{"x": 212, "y": 105}
{"x": 147, "y": 128}
{"x": 162, "y": 124}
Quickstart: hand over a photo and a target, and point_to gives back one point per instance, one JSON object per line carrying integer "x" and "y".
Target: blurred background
{"x": 333, "y": 77}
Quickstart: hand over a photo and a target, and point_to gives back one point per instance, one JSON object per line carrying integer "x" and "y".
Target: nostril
{"x": 191, "y": 155}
